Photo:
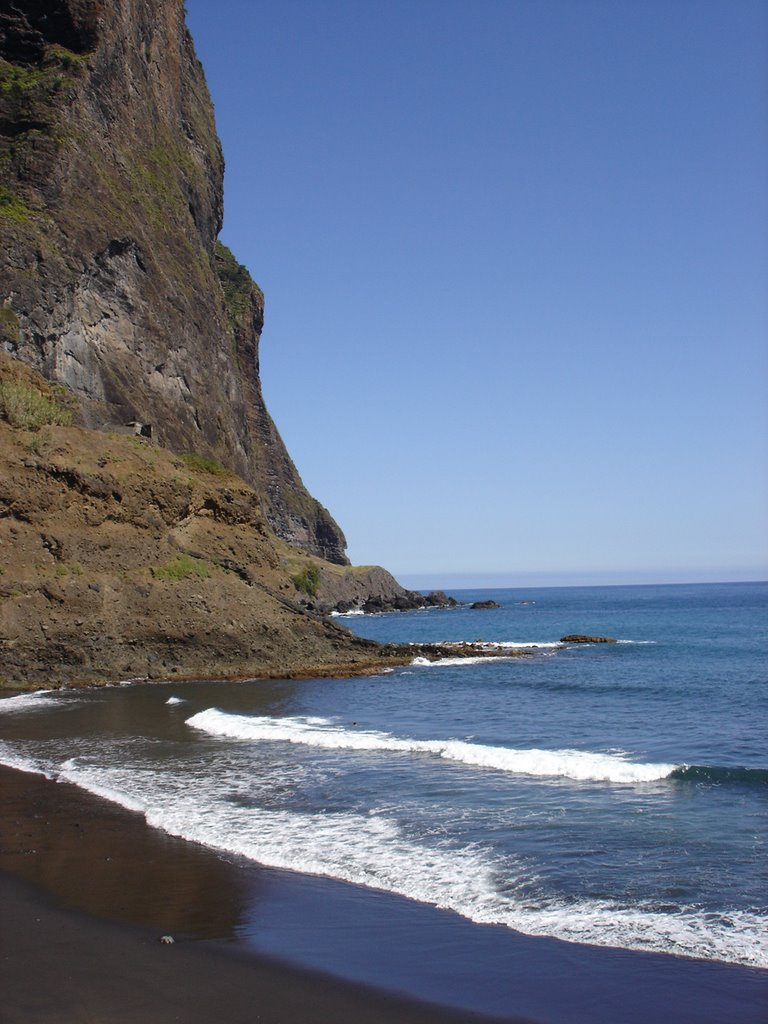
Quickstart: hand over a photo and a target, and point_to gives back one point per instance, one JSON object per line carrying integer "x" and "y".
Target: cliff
{"x": 111, "y": 280}
{"x": 152, "y": 523}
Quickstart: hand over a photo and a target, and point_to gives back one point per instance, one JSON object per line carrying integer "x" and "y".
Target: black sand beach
{"x": 63, "y": 966}
{"x": 60, "y": 962}
{"x": 88, "y": 890}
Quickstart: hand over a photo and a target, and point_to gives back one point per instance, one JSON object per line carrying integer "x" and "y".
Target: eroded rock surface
{"x": 111, "y": 279}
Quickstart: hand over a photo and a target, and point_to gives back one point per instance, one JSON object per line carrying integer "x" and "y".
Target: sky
{"x": 515, "y": 259}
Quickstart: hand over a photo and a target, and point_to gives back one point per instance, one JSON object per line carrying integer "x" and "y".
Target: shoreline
{"x": 62, "y": 966}
{"x": 392, "y": 656}
{"x": 68, "y": 954}
{"x": 91, "y": 887}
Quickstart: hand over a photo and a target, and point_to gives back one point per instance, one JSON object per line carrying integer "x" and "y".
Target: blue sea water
{"x": 608, "y": 794}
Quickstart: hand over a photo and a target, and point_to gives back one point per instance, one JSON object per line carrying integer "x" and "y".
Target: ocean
{"x": 613, "y": 796}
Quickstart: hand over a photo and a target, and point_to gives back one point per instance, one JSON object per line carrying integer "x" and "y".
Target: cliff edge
{"x": 112, "y": 282}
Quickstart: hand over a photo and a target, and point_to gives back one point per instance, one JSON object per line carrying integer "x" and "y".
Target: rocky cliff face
{"x": 111, "y": 280}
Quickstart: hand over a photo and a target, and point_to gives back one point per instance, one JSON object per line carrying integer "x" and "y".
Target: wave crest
{"x": 579, "y": 765}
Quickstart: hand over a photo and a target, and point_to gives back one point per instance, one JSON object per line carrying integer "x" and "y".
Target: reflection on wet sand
{"x": 93, "y": 856}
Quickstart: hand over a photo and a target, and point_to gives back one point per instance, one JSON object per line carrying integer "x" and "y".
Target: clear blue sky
{"x": 515, "y": 257}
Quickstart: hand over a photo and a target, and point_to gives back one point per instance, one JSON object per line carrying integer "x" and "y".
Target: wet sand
{"x": 88, "y": 890}
{"x": 61, "y": 966}
{"x": 61, "y": 961}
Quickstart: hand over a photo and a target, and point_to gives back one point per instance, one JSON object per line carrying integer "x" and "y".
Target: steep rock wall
{"x": 111, "y": 282}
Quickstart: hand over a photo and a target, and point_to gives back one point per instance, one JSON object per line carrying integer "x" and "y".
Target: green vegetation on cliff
{"x": 9, "y": 322}
{"x": 24, "y": 407}
{"x": 27, "y": 402}
{"x": 241, "y": 293}
{"x": 183, "y": 567}
{"x": 12, "y": 207}
{"x": 26, "y": 89}
{"x": 201, "y": 464}
{"x": 308, "y": 580}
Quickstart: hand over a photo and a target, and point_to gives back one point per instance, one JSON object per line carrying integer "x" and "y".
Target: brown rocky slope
{"x": 119, "y": 559}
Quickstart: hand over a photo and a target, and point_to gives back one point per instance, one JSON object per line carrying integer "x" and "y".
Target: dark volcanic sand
{"x": 60, "y": 966}
{"x": 83, "y": 944}
{"x": 63, "y": 965}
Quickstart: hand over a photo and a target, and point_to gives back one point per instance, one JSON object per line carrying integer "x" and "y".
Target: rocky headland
{"x": 152, "y": 522}
{"x": 120, "y": 559}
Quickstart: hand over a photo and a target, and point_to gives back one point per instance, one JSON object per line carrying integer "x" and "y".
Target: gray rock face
{"x": 110, "y": 205}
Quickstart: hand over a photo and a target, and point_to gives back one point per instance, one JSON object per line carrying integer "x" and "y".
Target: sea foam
{"x": 35, "y": 701}
{"x": 582, "y": 766}
{"x": 372, "y": 851}
{"x": 11, "y": 759}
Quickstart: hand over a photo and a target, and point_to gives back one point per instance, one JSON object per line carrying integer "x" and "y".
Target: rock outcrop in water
{"x": 112, "y": 282}
{"x": 582, "y": 638}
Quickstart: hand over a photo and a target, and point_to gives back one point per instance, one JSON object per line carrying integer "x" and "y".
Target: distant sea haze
{"x": 477, "y": 580}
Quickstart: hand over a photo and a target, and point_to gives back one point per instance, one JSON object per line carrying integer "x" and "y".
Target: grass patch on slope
{"x": 26, "y": 408}
{"x": 183, "y": 567}
{"x": 201, "y": 464}
{"x": 307, "y": 581}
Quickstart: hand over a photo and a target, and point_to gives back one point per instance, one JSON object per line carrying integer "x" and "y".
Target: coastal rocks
{"x": 409, "y": 600}
{"x": 485, "y": 604}
{"x": 325, "y": 589}
{"x": 581, "y": 638}
{"x": 111, "y": 280}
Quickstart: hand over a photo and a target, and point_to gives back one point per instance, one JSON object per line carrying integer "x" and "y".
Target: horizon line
{"x": 468, "y": 580}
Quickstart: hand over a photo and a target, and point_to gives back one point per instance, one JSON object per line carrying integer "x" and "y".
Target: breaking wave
{"x": 582, "y": 766}
{"x": 373, "y": 851}
{"x": 578, "y": 765}
{"x": 35, "y": 701}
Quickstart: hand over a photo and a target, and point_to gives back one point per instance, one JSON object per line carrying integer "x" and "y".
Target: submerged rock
{"x": 581, "y": 638}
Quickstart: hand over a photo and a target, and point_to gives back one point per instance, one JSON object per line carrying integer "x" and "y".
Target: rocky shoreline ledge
{"x": 408, "y": 600}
